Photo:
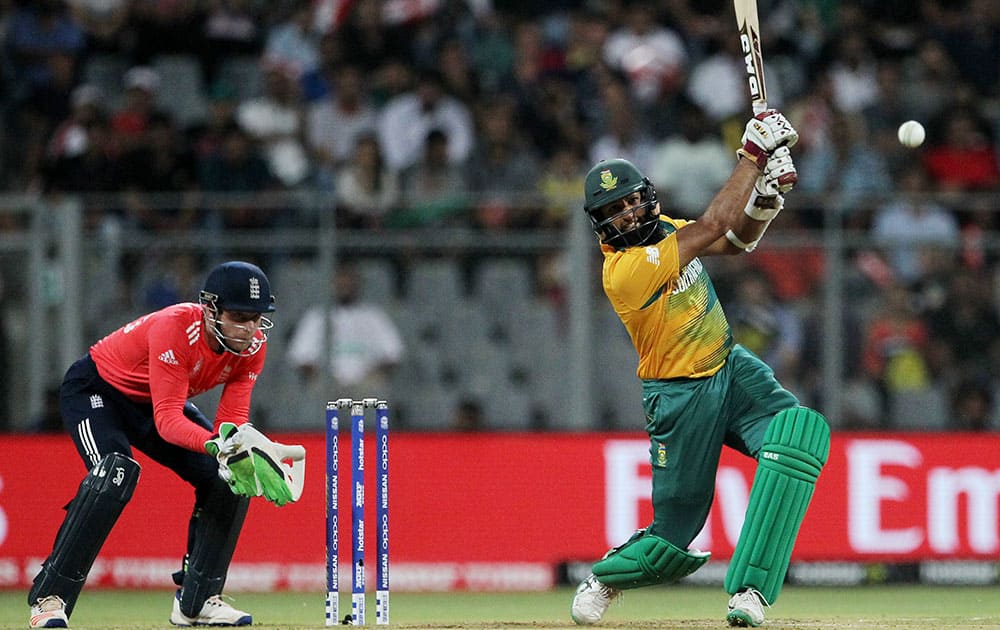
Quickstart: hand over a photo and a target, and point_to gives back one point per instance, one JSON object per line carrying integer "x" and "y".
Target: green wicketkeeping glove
{"x": 253, "y": 465}
{"x": 270, "y": 478}
{"x": 236, "y": 464}
{"x": 223, "y": 442}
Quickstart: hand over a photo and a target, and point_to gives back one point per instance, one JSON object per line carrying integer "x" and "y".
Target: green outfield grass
{"x": 874, "y": 607}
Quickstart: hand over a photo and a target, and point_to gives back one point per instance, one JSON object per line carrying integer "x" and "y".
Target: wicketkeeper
{"x": 130, "y": 391}
{"x": 701, "y": 391}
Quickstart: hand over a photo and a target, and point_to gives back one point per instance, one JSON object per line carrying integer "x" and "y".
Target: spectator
{"x": 294, "y": 43}
{"x": 406, "y": 120}
{"x": 174, "y": 277}
{"x": 551, "y": 115}
{"x": 929, "y": 78}
{"x": 393, "y": 78}
{"x": 560, "y": 184}
{"x": 965, "y": 157}
{"x": 164, "y": 27}
{"x": 366, "y": 345}
{"x": 458, "y": 75}
{"x": 972, "y": 406}
{"x": 795, "y": 274}
{"x": 434, "y": 189}
{"x": 770, "y": 329}
{"x": 896, "y": 342}
{"x": 367, "y": 190}
{"x": 335, "y": 123}
{"x": 468, "y": 416}
{"x": 104, "y": 22}
{"x": 524, "y": 80}
{"x": 848, "y": 167}
{"x": 70, "y": 138}
{"x": 718, "y": 83}
{"x": 160, "y": 179}
{"x": 36, "y": 33}
{"x": 502, "y": 168}
{"x": 275, "y": 119}
{"x": 690, "y": 166}
{"x": 231, "y": 29}
{"x": 367, "y": 40}
{"x": 207, "y": 138}
{"x": 910, "y": 223}
{"x": 43, "y": 45}
{"x": 130, "y": 122}
{"x": 624, "y": 136}
{"x": 92, "y": 166}
{"x": 652, "y": 56}
{"x": 966, "y": 327}
{"x": 41, "y": 109}
{"x": 968, "y": 31}
{"x": 489, "y": 48}
{"x": 854, "y": 74}
{"x": 237, "y": 168}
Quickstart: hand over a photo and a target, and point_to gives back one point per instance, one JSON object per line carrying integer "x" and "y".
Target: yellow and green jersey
{"x": 673, "y": 315}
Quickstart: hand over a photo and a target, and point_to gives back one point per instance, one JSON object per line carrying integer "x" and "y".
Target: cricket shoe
{"x": 746, "y": 608}
{"x": 215, "y": 612}
{"x": 591, "y": 601}
{"x": 48, "y": 612}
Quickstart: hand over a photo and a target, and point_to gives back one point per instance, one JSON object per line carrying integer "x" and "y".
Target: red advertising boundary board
{"x": 488, "y": 510}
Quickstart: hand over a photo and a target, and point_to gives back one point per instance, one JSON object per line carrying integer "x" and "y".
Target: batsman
{"x": 131, "y": 390}
{"x": 700, "y": 390}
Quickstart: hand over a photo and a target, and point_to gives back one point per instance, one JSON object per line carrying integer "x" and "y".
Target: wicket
{"x": 357, "y": 407}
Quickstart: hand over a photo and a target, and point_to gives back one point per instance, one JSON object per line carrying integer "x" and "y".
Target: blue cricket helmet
{"x": 238, "y": 286}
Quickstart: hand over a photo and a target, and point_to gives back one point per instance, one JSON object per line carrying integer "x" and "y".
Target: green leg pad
{"x": 796, "y": 446}
{"x": 645, "y": 561}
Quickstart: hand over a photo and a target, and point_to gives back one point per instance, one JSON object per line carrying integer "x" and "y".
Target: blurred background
{"x": 414, "y": 170}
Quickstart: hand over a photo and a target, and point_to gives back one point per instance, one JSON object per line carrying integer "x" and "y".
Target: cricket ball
{"x": 911, "y": 134}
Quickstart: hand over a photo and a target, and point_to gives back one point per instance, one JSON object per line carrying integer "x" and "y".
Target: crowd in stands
{"x": 487, "y": 113}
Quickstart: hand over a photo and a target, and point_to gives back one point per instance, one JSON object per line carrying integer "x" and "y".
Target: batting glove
{"x": 779, "y": 171}
{"x": 764, "y": 133}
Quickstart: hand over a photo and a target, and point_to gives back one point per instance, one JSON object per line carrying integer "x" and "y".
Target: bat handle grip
{"x": 759, "y": 107}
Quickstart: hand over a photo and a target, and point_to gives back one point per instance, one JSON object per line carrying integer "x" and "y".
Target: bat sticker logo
{"x": 753, "y": 60}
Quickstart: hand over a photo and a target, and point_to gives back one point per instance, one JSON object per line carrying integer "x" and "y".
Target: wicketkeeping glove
{"x": 253, "y": 465}
{"x": 764, "y": 133}
{"x": 236, "y": 467}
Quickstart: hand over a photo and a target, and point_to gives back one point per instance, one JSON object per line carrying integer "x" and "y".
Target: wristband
{"x": 737, "y": 241}
{"x": 755, "y": 154}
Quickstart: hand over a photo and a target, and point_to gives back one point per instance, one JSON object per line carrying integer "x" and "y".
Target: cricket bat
{"x": 749, "y": 26}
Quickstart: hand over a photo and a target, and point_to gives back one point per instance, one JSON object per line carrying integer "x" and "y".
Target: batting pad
{"x": 645, "y": 561}
{"x": 212, "y": 535}
{"x": 796, "y": 446}
{"x": 90, "y": 516}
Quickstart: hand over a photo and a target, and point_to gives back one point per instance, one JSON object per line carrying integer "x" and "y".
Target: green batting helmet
{"x": 609, "y": 181}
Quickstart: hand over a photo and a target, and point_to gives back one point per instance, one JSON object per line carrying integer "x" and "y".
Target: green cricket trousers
{"x": 688, "y": 422}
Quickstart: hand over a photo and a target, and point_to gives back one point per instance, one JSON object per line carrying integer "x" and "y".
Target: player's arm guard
{"x": 766, "y": 199}
{"x": 796, "y": 447}
{"x": 647, "y": 560}
{"x": 253, "y": 465}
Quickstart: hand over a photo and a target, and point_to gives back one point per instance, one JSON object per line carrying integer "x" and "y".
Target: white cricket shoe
{"x": 215, "y": 612}
{"x": 746, "y": 608}
{"x": 48, "y": 612}
{"x": 591, "y": 601}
